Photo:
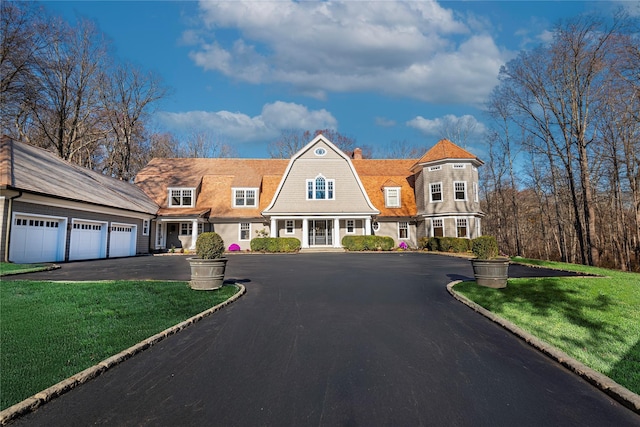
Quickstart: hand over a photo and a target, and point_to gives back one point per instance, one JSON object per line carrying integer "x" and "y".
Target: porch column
{"x": 367, "y": 226}
{"x": 194, "y": 233}
{"x": 336, "y": 233}
{"x": 305, "y": 233}
{"x": 273, "y": 228}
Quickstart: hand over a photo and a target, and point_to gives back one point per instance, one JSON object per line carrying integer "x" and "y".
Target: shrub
{"x": 275, "y": 244}
{"x": 234, "y": 247}
{"x": 485, "y": 247}
{"x": 209, "y": 245}
{"x": 367, "y": 243}
{"x": 423, "y": 243}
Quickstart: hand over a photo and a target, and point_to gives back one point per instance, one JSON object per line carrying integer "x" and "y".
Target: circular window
{"x": 375, "y": 226}
{"x": 320, "y": 151}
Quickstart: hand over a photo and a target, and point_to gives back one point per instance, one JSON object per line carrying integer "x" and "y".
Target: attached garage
{"x": 88, "y": 240}
{"x": 122, "y": 240}
{"x": 36, "y": 238}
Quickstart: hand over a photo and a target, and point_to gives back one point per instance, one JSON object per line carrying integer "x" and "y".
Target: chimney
{"x": 357, "y": 154}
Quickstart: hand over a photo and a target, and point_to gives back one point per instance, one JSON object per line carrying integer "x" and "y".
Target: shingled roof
{"x": 446, "y": 150}
{"x": 31, "y": 169}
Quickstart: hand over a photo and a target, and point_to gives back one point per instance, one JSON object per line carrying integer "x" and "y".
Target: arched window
{"x": 320, "y": 188}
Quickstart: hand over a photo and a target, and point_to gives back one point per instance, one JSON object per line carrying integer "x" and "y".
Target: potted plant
{"x": 489, "y": 268}
{"x": 207, "y": 270}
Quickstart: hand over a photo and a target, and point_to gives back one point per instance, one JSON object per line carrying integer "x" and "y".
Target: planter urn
{"x": 207, "y": 274}
{"x": 492, "y": 273}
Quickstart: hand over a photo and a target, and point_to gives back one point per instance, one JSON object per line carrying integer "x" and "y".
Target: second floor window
{"x": 460, "y": 190}
{"x": 245, "y": 197}
{"x": 181, "y": 197}
{"x": 392, "y": 197}
{"x": 436, "y": 192}
{"x": 320, "y": 188}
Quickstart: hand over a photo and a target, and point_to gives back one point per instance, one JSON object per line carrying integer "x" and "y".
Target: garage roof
{"x": 31, "y": 169}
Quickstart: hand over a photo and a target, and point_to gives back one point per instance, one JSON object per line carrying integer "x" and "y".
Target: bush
{"x": 367, "y": 243}
{"x": 485, "y": 247}
{"x": 275, "y": 244}
{"x": 445, "y": 244}
{"x": 209, "y": 245}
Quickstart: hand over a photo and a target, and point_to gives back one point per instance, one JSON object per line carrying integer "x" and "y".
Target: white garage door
{"x": 122, "y": 241}
{"x": 37, "y": 239}
{"x": 88, "y": 240}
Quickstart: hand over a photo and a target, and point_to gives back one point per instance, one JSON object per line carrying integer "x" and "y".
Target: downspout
{"x": 8, "y": 227}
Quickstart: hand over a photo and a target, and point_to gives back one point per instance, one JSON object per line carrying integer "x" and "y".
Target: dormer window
{"x": 392, "y": 197}
{"x": 245, "y": 197}
{"x": 320, "y": 188}
{"x": 181, "y": 197}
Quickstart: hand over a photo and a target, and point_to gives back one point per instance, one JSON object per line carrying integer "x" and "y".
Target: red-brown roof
{"x": 446, "y": 149}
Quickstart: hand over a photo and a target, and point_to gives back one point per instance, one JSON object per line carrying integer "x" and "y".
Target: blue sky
{"x": 377, "y": 71}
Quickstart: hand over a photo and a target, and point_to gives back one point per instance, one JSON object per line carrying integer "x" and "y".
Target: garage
{"x": 122, "y": 240}
{"x": 88, "y": 240}
{"x": 36, "y": 238}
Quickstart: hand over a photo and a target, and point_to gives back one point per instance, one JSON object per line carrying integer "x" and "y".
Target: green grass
{"x": 7, "y": 268}
{"x": 52, "y": 330}
{"x": 595, "y": 320}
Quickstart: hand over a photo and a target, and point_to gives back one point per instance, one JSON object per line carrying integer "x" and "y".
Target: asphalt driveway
{"x": 330, "y": 340}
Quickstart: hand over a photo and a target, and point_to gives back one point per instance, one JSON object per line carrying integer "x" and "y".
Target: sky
{"x": 381, "y": 72}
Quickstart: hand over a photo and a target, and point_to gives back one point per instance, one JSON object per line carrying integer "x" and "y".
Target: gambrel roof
{"x": 35, "y": 170}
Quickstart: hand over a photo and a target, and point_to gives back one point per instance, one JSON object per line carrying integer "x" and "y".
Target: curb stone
{"x": 618, "y": 392}
{"x": 30, "y": 404}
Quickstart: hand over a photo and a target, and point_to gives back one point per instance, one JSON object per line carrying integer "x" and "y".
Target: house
{"x": 319, "y": 196}
{"x": 52, "y": 210}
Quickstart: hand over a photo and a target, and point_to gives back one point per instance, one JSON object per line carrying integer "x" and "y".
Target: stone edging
{"x": 604, "y": 383}
{"x": 32, "y": 403}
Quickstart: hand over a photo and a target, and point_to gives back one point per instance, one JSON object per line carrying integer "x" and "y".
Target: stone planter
{"x": 492, "y": 273}
{"x": 207, "y": 274}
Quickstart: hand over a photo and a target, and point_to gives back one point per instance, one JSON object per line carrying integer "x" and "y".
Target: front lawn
{"x": 52, "y": 330}
{"x": 7, "y": 268}
{"x": 595, "y": 320}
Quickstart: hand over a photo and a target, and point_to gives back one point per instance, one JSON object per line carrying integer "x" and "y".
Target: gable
{"x": 320, "y": 160}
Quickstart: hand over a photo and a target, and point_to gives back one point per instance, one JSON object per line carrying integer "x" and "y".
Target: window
{"x": 475, "y": 192}
{"x": 245, "y": 231}
{"x": 436, "y": 192}
{"x": 180, "y": 197}
{"x": 459, "y": 165}
{"x": 461, "y": 226}
{"x": 289, "y": 226}
{"x": 351, "y": 226}
{"x": 392, "y": 197}
{"x": 375, "y": 226}
{"x": 403, "y": 230}
{"x": 460, "y": 190}
{"x": 320, "y": 188}
{"x": 320, "y": 151}
{"x": 245, "y": 197}
{"x": 186, "y": 228}
{"x": 434, "y": 168}
{"x": 145, "y": 227}
{"x": 438, "y": 227}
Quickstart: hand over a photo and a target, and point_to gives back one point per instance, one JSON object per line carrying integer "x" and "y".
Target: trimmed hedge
{"x": 485, "y": 247}
{"x": 209, "y": 245}
{"x": 368, "y": 243}
{"x": 275, "y": 244}
{"x": 445, "y": 244}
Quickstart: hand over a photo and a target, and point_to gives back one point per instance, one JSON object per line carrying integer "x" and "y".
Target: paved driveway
{"x": 336, "y": 340}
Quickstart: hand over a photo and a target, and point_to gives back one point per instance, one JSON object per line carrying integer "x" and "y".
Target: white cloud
{"x": 449, "y": 126}
{"x": 243, "y": 128}
{"x": 415, "y": 49}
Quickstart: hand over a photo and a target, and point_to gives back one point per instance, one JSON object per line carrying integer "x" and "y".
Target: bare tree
{"x": 67, "y": 113}
{"x": 127, "y": 95}
{"x": 402, "y": 150}
{"x": 206, "y": 144}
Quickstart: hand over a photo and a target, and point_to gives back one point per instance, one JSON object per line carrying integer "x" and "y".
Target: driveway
{"x": 332, "y": 339}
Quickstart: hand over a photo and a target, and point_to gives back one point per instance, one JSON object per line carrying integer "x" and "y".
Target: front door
{"x": 320, "y": 232}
